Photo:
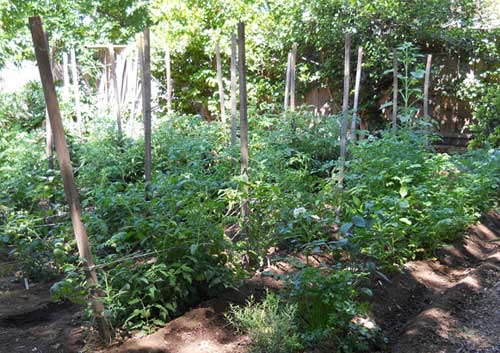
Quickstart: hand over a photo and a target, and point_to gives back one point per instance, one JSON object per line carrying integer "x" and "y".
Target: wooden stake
{"x": 245, "y": 211}
{"x": 65, "y": 78}
{"x": 169, "y": 79}
{"x": 356, "y": 94}
{"x": 76, "y": 92}
{"x": 345, "y": 118}
{"x": 426, "y": 85}
{"x": 49, "y": 139}
{"x": 220, "y": 84}
{"x": 146, "y": 106}
{"x": 293, "y": 74}
{"x": 42, "y": 57}
{"x": 287, "y": 82}
{"x": 233, "y": 89}
{"x": 394, "y": 89}
{"x": 116, "y": 93}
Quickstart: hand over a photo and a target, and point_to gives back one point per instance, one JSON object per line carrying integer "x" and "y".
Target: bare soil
{"x": 450, "y": 304}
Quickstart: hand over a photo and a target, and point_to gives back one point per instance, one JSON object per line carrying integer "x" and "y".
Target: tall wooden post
{"x": 146, "y": 106}
{"x": 345, "y": 118}
{"x": 116, "y": 92}
{"x": 394, "y": 89}
{"x": 293, "y": 76}
{"x": 65, "y": 77}
{"x": 233, "y": 89}
{"x": 426, "y": 85}
{"x": 49, "y": 139}
{"x": 220, "y": 84}
{"x": 356, "y": 94}
{"x": 42, "y": 57}
{"x": 287, "y": 82}
{"x": 245, "y": 210}
{"x": 76, "y": 93}
{"x": 169, "y": 79}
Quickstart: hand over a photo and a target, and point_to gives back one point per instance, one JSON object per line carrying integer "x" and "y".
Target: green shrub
{"x": 486, "y": 118}
{"x": 270, "y": 324}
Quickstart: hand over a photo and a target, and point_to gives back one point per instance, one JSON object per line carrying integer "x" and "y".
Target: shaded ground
{"x": 31, "y": 322}
{"x": 447, "y": 305}
{"x": 450, "y": 304}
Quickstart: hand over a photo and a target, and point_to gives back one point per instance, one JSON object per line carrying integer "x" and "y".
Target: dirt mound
{"x": 450, "y": 304}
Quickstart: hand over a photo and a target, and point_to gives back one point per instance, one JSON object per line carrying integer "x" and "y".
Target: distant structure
{"x": 14, "y": 76}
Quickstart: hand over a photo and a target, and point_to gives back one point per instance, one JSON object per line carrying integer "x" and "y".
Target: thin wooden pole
{"x": 245, "y": 211}
{"x": 49, "y": 140}
{"x": 394, "y": 89}
{"x": 293, "y": 76}
{"x": 65, "y": 77}
{"x": 220, "y": 84}
{"x": 42, "y": 57}
{"x": 287, "y": 82}
{"x": 233, "y": 89}
{"x": 426, "y": 85}
{"x": 169, "y": 79}
{"x": 76, "y": 92}
{"x": 146, "y": 106}
{"x": 124, "y": 82}
{"x": 356, "y": 94}
{"x": 116, "y": 93}
{"x": 345, "y": 118}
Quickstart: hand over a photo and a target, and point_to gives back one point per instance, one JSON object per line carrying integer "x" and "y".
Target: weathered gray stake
{"x": 220, "y": 84}
{"x": 245, "y": 210}
{"x": 146, "y": 106}
{"x": 234, "y": 83}
{"x": 287, "y": 82}
{"x": 76, "y": 93}
{"x": 394, "y": 89}
{"x": 293, "y": 76}
{"x": 355, "y": 116}
{"x": 426, "y": 85}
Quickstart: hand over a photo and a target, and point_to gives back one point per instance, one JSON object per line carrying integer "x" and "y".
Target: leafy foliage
{"x": 270, "y": 324}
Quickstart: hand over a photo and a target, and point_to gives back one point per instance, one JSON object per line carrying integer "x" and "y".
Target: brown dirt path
{"x": 447, "y": 305}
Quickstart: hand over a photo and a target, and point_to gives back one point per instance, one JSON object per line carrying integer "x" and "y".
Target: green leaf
{"x": 405, "y": 220}
{"x": 346, "y": 227}
{"x": 403, "y": 191}
{"x": 359, "y": 221}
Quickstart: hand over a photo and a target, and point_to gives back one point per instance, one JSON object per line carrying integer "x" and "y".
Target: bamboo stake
{"x": 293, "y": 74}
{"x": 345, "y": 117}
{"x": 356, "y": 94}
{"x": 220, "y": 84}
{"x": 426, "y": 85}
{"x": 287, "y": 82}
{"x": 76, "y": 92}
{"x": 116, "y": 93}
{"x": 42, "y": 57}
{"x": 395, "y": 89}
{"x": 146, "y": 106}
{"x": 65, "y": 78}
{"x": 233, "y": 89}
{"x": 169, "y": 79}
{"x": 245, "y": 211}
